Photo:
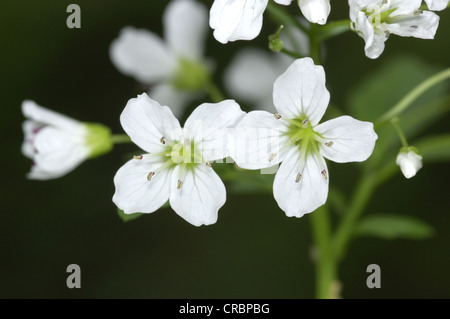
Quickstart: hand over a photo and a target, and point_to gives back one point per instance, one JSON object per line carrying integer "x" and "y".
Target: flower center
{"x": 301, "y": 133}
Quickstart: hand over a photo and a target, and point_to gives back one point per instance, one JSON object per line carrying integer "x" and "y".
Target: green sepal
{"x": 98, "y": 139}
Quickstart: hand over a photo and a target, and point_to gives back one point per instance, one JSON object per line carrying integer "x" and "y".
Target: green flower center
{"x": 301, "y": 134}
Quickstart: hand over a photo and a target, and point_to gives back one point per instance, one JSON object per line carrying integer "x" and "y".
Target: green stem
{"x": 314, "y": 45}
{"x": 215, "y": 94}
{"x": 333, "y": 29}
{"x": 325, "y": 268}
{"x": 291, "y": 54}
{"x": 283, "y": 17}
{"x": 400, "y": 133}
{"x": 408, "y": 99}
{"x": 363, "y": 192}
{"x": 120, "y": 139}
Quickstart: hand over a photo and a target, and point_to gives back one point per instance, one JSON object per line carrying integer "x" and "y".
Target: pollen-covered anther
{"x": 305, "y": 122}
{"x": 324, "y": 174}
{"x": 163, "y": 140}
{"x": 150, "y": 175}
{"x": 329, "y": 144}
{"x": 272, "y": 156}
{"x": 387, "y": 33}
{"x": 208, "y": 164}
{"x": 179, "y": 184}
{"x": 277, "y": 116}
{"x": 138, "y": 157}
{"x": 298, "y": 178}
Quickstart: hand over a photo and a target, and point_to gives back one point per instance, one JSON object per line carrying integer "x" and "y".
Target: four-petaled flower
{"x": 293, "y": 137}
{"x": 376, "y": 20}
{"x": 57, "y": 144}
{"x": 175, "y": 66}
{"x": 177, "y": 165}
{"x": 242, "y": 20}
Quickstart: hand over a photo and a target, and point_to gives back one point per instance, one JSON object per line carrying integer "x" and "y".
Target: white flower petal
{"x": 296, "y": 195}
{"x": 410, "y": 163}
{"x": 301, "y": 91}
{"x": 236, "y": 20}
{"x": 404, "y": 6}
{"x": 374, "y": 41}
{"x": 177, "y": 100}
{"x": 58, "y": 152}
{"x": 30, "y": 128}
{"x": 437, "y": 5}
{"x": 135, "y": 193}
{"x": 200, "y": 196}
{"x": 209, "y": 124}
{"x": 185, "y": 27}
{"x": 421, "y": 26}
{"x": 258, "y": 140}
{"x": 250, "y": 76}
{"x": 283, "y": 2}
{"x": 146, "y": 122}
{"x": 143, "y": 55}
{"x": 347, "y": 139}
{"x": 315, "y": 11}
{"x": 37, "y": 113}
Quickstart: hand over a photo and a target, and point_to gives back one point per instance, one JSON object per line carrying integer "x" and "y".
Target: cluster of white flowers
{"x": 176, "y": 165}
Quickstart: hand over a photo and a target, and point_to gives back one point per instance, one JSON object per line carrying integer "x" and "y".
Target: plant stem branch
{"x": 120, "y": 138}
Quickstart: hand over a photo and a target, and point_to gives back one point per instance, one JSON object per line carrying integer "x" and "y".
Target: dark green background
{"x": 254, "y": 250}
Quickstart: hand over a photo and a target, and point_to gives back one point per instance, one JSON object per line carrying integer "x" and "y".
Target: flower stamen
{"x": 272, "y": 156}
{"x": 324, "y": 174}
{"x": 277, "y": 116}
{"x": 298, "y": 178}
{"x": 138, "y": 157}
{"x": 150, "y": 175}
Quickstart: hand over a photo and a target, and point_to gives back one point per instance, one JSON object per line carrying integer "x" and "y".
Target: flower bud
{"x": 409, "y": 160}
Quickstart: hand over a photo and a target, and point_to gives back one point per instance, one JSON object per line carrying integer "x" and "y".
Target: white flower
{"x": 57, "y": 144}
{"x": 437, "y": 5}
{"x": 376, "y": 20}
{"x": 293, "y": 137}
{"x": 250, "y": 75}
{"x": 176, "y": 166}
{"x": 410, "y": 162}
{"x": 238, "y": 20}
{"x": 315, "y": 11}
{"x": 174, "y": 66}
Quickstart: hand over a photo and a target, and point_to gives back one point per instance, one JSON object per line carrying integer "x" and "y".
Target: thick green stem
{"x": 325, "y": 267}
{"x": 408, "y": 99}
{"x": 120, "y": 139}
{"x": 363, "y": 192}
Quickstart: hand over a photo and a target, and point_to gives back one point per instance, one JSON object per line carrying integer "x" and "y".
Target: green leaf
{"x": 434, "y": 148}
{"x": 383, "y": 88}
{"x": 128, "y": 217}
{"x": 387, "y": 226}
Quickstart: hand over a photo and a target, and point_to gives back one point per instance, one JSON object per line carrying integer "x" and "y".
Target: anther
{"x": 329, "y": 144}
{"x": 418, "y": 12}
{"x": 272, "y": 156}
{"x": 387, "y": 33}
{"x": 208, "y": 164}
{"x": 163, "y": 140}
{"x": 277, "y": 116}
{"x": 414, "y": 27}
{"x": 138, "y": 157}
{"x": 298, "y": 178}
{"x": 304, "y": 122}
{"x": 150, "y": 175}
{"x": 324, "y": 174}
{"x": 180, "y": 183}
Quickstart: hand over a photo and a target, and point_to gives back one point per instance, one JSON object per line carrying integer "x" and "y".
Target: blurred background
{"x": 254, "y": 250}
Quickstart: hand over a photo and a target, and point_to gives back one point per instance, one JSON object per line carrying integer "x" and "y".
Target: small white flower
{"x": 410, "y": 162}
{"x": 238, "y": 20}
{"x": 293, "y": 137}
{"x": 437, "y": 5}
{"x": 174, "y": 66}
{"x": 176, "y": 166}
{"x": 315, "y": 11}
{"x": 250, "y": 75}
{"x": 57, "y": 144}
{"x": 376, "y": 20}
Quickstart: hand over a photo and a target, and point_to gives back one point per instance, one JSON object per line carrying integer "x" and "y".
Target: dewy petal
{"x": 236, "y": 19}
{"x": 258, "y": 141}
{"x": 35, "y": 112}
{"x": 208, "y": 126}
{"x": 346, "y": 139}
{"x": 437, "y": 5}
{"x": 301, "y": 91}
{"x": 146, "y": 122}
{"x": 143, "y": 55}
{"x": 423, "y": 25}
{"x": 315, "y": 11}
{"x": 298, "y": 196}
{"x": 58, "y": 152}
{"x": 250, "y": 76}
{"x": 176, "y": 100}
{"x": 134, "y": 192}
{"x": 200, "y": 196}
{"x": 185, "y": 27}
